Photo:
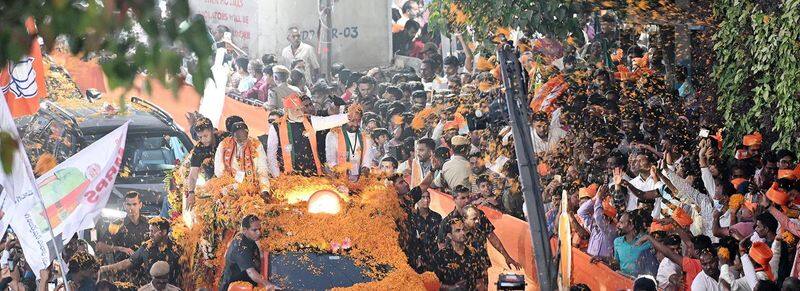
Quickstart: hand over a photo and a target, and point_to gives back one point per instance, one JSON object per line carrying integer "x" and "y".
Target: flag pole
{"x": 59, "y": 258}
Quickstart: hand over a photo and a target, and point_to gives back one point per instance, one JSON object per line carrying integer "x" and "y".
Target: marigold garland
{"x": 368, "y": 222}
{"x": 736, "y": 201}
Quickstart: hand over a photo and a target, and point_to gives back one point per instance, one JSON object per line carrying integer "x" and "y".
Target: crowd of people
{"x": 648, "y": 195}
{"x": 652, "y": 193}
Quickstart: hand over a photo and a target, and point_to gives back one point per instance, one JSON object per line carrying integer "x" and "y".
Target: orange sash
{"x": 287, "y": 153}
{"x": 416, "y": 172}
{"x": 341, "y": 151}
{"x": 245, "y": 159}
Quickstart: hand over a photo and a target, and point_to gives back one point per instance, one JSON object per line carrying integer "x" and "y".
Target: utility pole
{"x": 515, "y": 80}
{"x": 326, "y": 36}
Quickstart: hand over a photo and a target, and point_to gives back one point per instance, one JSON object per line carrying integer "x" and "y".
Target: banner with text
{"x": 75, "y": 191}
{"x": 18, "y": 194}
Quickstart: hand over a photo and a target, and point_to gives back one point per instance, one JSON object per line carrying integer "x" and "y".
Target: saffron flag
{"x": 22, "y": 83}
{"x": 544, "y": 98}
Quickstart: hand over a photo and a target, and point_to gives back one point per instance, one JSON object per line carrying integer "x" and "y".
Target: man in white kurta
{"x": 242, "y": 157}
{"x": 350, "y": 144}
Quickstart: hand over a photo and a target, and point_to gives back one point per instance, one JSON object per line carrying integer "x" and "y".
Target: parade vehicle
{"x": 318, "y": 233}
{"x": 155, "y": 143}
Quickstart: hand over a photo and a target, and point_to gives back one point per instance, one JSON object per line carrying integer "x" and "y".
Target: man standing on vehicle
{"x": 292, "y": 141}
{"x": 243, "y": 258}
{"x": 125, "y": 235}
{"x": 202, "y": 156}
{"x": 242, "y": 158}
{"x": 297, "y": 50}
{"x": 350, "y": 144}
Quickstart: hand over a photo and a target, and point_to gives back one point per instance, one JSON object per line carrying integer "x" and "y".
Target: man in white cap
{"x": 282, "y": 89}
{"x": 159, "y": 273}
{"x": 456, "y": 171}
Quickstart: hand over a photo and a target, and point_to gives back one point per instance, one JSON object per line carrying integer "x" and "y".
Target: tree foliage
{"x": 757, "y": 72}
{"x": 553, "y": 18}
{"x": 130, "y": 35}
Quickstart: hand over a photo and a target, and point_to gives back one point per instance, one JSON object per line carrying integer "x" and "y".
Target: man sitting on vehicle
{"x": 242, "y": 157}
{"x": 202, "y": 156}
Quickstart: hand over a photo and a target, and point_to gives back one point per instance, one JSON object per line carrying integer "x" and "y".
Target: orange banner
{"x": 516, "y": 238}
{"x": 22, "y": 83}
{"x": 87, "y": 75}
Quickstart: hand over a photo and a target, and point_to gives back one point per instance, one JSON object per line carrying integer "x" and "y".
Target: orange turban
{"x": 355, "y": 112}
{"x": 738, "y": 181}
{"x": 588, "y": 191}
{"x": 451, "y": 125}
{"x": 761, "y": 253}
{"x": 292, "y": 101}
{"x": 752, "y": 139}
{"x": 655, "y": 226}
{"x": 543, "y": 169}
{"x": 681, "y": 217}
{"x": 750, "y": 205}
{"x": 777, "y": 196}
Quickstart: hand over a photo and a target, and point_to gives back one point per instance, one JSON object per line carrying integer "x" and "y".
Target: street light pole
{"x": 326, "y": 36}
{"x": 515, "y": 79}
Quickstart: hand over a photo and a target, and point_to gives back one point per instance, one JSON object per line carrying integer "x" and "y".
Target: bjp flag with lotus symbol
{"x": 22, "y": 82}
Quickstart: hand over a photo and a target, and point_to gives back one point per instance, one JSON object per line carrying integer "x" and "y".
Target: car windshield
{"x": 148, "y": 154}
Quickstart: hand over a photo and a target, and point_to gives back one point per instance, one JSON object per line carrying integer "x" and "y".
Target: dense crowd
{"x": 651, "y": 191}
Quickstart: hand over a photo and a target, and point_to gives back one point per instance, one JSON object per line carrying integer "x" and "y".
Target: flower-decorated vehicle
{"x": 318, "y": 232}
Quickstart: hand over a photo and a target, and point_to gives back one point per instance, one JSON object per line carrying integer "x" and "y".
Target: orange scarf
{"x": 416, "y": 172}
{"x": 287, "y": 151}
{"x": 245, "y": 160}
{"x": 342, "y": 150}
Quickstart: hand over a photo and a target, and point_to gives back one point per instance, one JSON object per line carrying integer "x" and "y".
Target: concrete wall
{"x": 362, "y": 28}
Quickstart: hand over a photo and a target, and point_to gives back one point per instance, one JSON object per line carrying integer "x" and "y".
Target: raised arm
{"x": 661, "y": 248}
{"x": 468, "y": 61}
{"x": 784, "y": 221}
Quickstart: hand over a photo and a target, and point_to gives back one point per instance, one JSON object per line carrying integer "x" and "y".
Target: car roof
{"x": 92, "y": 120}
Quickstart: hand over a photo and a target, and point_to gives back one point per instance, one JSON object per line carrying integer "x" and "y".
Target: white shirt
{"x": 554, "y": 136}
{"x": 665, "y": 269}
{"x": 705, "y": 283}
{"x": 402, "y": 21}
{"x": 304, "y": 52}
{"x": 246, "y": 83}
{"x": 643, "y": 185}
{"x": 259, "y": 162}
{"x": 357, "y": 160}
{"x": 690, "y": 195}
